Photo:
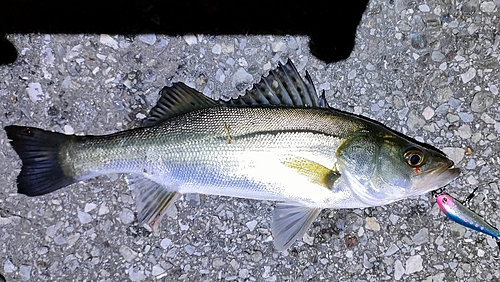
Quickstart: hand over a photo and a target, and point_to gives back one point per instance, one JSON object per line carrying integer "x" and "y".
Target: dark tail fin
{"x": 39, "y": 152}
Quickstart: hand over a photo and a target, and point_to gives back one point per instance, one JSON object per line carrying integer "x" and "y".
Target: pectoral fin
{"x": 290, "y": 222}
{"x": 316, "y": 172}
{"x": 153, "y": 200}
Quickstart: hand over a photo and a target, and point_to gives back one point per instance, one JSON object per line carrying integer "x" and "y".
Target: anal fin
{"x": 290, "y": 222}
{"x": 153, "y": 199}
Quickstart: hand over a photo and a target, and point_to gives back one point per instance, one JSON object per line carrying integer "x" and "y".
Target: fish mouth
{"x": 435, "y": 178}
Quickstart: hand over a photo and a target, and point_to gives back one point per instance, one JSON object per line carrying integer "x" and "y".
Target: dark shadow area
{"x": 331, "y": 25}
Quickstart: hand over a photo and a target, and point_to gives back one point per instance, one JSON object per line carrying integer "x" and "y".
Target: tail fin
{"x": 39, "y": 152}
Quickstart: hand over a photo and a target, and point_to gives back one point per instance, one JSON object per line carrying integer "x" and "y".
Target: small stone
{"x": 414, "y": 264}
{"x": 455, "y": 154}
{"x": 157, "y": 270}
{"x": 466, "y": 117}
{"x": 443, "y": 95}
{"x": 243, "y": 273}
{"x": 487, "y": 7}
{"x": 68, "y": 129}
{"x": 421, "y": 237}
{"x": 424, "y": 8}
{"x": 437, "y": 56}
{"x": 482, "y": 100}
{"x": 251, "y": 224}
{"x": 189, "y": 249}
{"x": 216, "y": 49}
{"x": 257, "y": 256}
{"x": 352, "y": 74}
{"x": 241, "y": 79}
{"x": 165, "y": 243}
{"x": 465, "y": 131}
{"x": 493, "y": 89}
{"x": 8, "y": 267}
{"x": 398, "y": 270}
{"x": 190, "y": 39}
{"x": 418, "y": 41}
{"x": 428, "y": 113}
{"x": 103, "y": 209}
{"x": 127, "y": 216}
{"x": 35, "y": 91}
{"x": 89, "y": 207}
{"x": 25, "y": 272}
{"x": 149, "y": 38}
{"x": 469, "y": 75}
{"x": 127, "y": 253}
{"x": 372, "y": 224}
{"x": 136, "y": 275}
{"x": 84, "y": 217}
{"x": 108, "y": 41}
{"x": 227, "y": 48}
{"x": 392, "y": 250}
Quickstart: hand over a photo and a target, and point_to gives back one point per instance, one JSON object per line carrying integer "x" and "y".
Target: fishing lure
{"x": 461, "y": 214}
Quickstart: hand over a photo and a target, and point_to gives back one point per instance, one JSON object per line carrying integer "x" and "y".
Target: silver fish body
{"x": 279, "y": 142}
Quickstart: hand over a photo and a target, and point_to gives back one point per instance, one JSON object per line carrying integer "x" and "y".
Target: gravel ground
{"x": 427, "y": 69}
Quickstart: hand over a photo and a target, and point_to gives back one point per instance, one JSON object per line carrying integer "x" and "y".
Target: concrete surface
{"x": 427, "y": 69}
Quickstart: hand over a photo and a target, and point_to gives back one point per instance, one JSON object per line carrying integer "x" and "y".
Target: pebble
{"x": 217, "y": 49}
{"x": 241, "y": 79}
{"x": 157, "y": 270}
{"x": 493, "y": 89}
{"x": 189, "y": 249}
{"x": 190, "y": 39}
{"x": 103, "y": 209}
{"x": 68, "y": 129}
{"x": 455, "y": 154}
{"x": 421, "y": 237}
{"x": 35, "y": 91}
{"x": 469, "y": 75}
{"x": 398, "y": 270}
{"x": 482, "y": 100}
{"x": 127, "y": 216}
{"x": 424, "y": 8}
{"x": 465, "y": 131}
{"x": 437, "y": 56}
{"x": 25, "y": 272}
{"x": 466, "y": 117}
{"x": 89, "y": 207}
{"x": 372, "y": 224}
{"x": 165, "y": 243}
{"x": 251, "y": 224}
{"x": 428, "y": 113}
{"x": 418, "y": 41}
{"x": 414, "y": 264}
{"x": 471, "y": 164}
{"x": 127, "y": 253}
{"x": 8, "y": 266}
{"x": 487, "y": 7}
{"x": 136, "y": 275}
{"x": 108, "y": 41}
{"x": 84, "y": 217}
{"x": 352, "y": 74}
{"x": 149, "y": 38}
{"x": 391, "y": 250}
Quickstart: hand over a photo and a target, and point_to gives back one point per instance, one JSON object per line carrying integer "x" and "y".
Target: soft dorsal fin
{"x": 176, "y": 100}
{"x": 282, "y": 87}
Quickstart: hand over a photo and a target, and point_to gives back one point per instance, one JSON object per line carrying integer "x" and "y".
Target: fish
{"x": 280, "y": 142}
{"x": 463, "y": 215}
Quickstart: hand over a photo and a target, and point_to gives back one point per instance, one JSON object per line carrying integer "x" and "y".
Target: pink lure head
{"x": 445, "y": 202}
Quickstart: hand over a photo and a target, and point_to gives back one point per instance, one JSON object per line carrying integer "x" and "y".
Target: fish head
{"x": 384, "y": 168}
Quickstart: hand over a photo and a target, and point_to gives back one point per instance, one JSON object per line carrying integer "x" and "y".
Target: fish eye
{"x": 445, "y": 199}
{"x": 414, "y": 157}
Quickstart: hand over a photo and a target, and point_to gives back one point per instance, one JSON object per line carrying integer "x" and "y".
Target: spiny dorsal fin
{"x": 176, "y": 100}
{"x": 282, "y": 87}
